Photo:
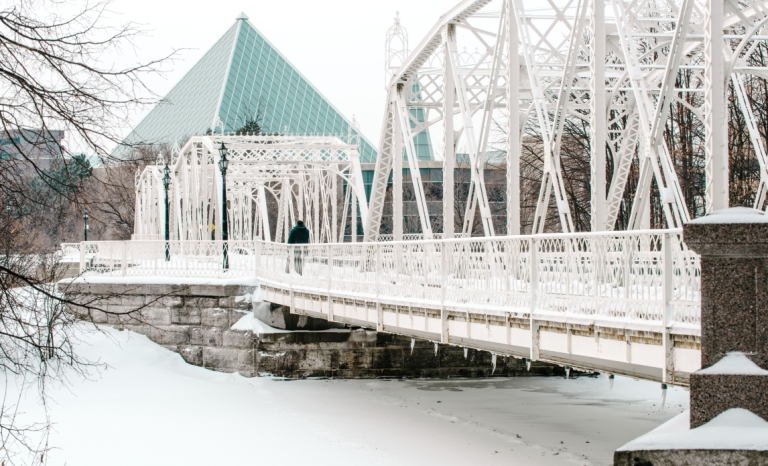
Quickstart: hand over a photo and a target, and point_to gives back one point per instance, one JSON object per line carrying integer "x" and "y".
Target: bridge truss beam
{"x": 613, "y": 66}
{"x": 303, "y": 177}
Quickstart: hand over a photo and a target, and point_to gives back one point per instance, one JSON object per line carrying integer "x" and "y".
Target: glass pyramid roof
{"x": 241, "y": 76}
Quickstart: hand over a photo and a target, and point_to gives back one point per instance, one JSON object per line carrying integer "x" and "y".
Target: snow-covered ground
{"x": 146, "y": 406}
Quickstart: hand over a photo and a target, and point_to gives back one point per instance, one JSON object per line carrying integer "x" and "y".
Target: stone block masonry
{"x": 369, "y": 354}
{"x": 195, "y": 321}
{"x": 733, "y": 244}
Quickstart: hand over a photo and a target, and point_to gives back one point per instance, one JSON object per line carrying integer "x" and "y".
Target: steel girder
{"x": 614, "y": 64}
{"x": 301, "y": 174}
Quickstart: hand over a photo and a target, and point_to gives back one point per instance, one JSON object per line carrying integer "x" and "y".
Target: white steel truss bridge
{"x": 312, "y": 178}
{"x": 611, "y": 66}
{"x": 616, "y": 302}
{"x": 624, "y": 302}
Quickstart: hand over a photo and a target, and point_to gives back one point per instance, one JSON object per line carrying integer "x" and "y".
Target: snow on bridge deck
{"x": 616, "y": 302}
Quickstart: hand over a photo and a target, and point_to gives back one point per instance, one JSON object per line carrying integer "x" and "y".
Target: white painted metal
{"x": 716, "y": 108}
{"x": 635, "y": 284}
{"x": 293, "y": 170}
{"x": 614, "y": 64}
{"x": 598, "y": 117}
{"x": 404, "y": 124}
{"x": 513, "y": 125}
{"x": 449, "y": 142}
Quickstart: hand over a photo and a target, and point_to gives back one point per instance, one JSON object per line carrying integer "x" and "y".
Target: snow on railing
{"x": 147, "y": 237}
{"x": 70, "y": 248}
{"x": 168, "y": 258}
{"x": 416, "y": 236}
{"x": 646, "y": 276}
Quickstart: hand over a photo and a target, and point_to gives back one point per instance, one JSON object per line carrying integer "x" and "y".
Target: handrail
{"x": 647, "y": 276}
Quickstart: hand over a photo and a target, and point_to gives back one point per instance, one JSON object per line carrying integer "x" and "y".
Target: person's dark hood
{"x": 300, "y": 227}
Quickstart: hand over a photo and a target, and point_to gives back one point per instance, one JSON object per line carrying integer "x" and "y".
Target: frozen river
{"x": 146, "y": 406}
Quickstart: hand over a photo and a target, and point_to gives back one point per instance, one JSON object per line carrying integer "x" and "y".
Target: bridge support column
{"x": 731, "y": 389}
{"x": 734, "y": 314}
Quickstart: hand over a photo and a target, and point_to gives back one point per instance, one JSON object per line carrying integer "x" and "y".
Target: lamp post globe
{"x": 166, "y": 184}
{"x": 223, "y": 161}
{"x": 223, "y": 164}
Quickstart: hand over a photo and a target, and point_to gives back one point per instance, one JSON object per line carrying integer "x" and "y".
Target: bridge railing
{"x": 147, "y": 237}
{"x": 647, "y": 276}
{"x": 415, "y": 236}
{"x": 638, "y": 276}
{"x": 168, "y": 258}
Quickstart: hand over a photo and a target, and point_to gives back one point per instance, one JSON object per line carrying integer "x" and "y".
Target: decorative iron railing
{"x": 640, "y": 276}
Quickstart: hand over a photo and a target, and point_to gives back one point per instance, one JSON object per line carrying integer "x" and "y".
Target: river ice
{"x": 146, "y": 406}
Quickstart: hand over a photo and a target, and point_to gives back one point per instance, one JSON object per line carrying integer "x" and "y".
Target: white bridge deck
{"x": 616, "y": 302}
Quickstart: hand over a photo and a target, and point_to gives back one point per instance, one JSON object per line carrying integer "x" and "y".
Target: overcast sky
{"x": 337, "y": 44}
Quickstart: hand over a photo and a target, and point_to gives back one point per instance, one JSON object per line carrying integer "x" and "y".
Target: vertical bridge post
{"x": 733, "y": 244}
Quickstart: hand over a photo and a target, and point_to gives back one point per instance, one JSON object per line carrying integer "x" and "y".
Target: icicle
{"x": 567, "y": 372}
{"x": 663, "y": 394}
{"x": 435, "y": 349}
{"x": 466, "y": 351}
{"x": 413, "y": 343}
{"x": 528, "y": 364}
{"x": 610, "y": 381}
{"x": 493, "y": 362}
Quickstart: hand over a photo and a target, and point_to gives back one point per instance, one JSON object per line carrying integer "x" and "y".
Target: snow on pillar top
{"x": 734, "y": 232}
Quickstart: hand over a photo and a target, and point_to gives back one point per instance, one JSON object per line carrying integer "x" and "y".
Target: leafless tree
{"x": 55, "y": 75}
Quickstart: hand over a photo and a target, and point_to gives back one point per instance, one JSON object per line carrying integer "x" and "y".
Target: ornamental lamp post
{"x": 166, "y": 183}
{"x": 223, "y": 164}
{"x": 85, "y": 225}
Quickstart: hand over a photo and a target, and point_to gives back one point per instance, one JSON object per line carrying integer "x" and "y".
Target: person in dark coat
{"x": 299, "y": 235}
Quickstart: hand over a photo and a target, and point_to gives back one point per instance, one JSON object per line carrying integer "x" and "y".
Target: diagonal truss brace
{"x": 404, "y": 126}
{"x": 551, "y": 173}
{"x": 478, "y": 194}
{"x": 655, "y": 156}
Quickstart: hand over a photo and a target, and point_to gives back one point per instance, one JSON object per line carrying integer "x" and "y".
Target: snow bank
{"x": 147, "y": 406}
{"x": 249, "y": 322}
{"x": 735, "y": 429}
{"x": 160, "y": 280}
{"x": 734, "y": 363}
{"x": 733, "y": 215}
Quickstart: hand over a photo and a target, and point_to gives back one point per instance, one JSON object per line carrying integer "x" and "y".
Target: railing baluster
{"x": 82, "y": 257}
{"x": 534, "y": 274}
{"x": 124, "y": 262}
{"x": 573, "y": 273}
{"x": 668, "y": 286}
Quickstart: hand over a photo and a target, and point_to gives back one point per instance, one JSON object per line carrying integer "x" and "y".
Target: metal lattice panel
{"x": 307, "y": 178}
{"x": 612, "y": 65}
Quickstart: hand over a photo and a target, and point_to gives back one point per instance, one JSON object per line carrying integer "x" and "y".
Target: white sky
{"x": 337, "y": 44}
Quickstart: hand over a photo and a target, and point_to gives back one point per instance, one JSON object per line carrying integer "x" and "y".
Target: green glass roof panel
{"x": 191, "y": 105}
{"x": 241, "y": 75}
{"x": 263, "y": 81}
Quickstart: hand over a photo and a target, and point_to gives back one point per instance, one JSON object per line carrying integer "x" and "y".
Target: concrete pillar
{"x": 733, "y": 244}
